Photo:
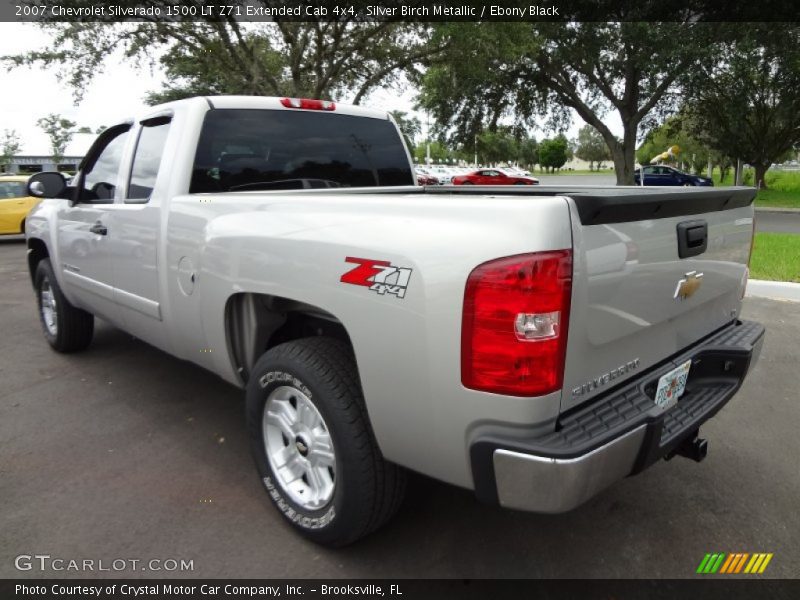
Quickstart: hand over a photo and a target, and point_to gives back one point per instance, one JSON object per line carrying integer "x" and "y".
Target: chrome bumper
{"x": 617, "y": 435}
{"x": 553, "y": 485}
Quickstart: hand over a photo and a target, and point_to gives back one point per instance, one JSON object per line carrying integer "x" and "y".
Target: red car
{"x": 493, "y": 177}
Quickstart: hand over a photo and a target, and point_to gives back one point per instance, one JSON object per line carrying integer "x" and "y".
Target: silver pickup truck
{"x": 532, "y": 344}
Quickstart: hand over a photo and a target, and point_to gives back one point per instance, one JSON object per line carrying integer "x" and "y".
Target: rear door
{"x": 631, "y": 304}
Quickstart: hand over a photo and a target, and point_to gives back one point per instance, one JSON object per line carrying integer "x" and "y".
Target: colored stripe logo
{"x": 733, "y": 563}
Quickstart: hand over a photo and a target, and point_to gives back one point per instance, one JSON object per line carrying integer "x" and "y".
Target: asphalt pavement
{"x": 123, "y": 452}
{"x": 777, "y": 222}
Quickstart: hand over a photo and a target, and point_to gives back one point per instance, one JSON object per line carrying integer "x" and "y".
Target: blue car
{"x": 663, "y": 175}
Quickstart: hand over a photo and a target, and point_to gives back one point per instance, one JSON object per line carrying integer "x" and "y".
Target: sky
{"x": 31, "y": 93}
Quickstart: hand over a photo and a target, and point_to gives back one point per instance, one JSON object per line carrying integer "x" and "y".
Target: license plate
{"x": 672, "y": 385}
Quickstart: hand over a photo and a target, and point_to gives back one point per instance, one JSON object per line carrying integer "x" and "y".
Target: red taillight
{"x": 514, "y": 326}
{"x": 308, "y": 104}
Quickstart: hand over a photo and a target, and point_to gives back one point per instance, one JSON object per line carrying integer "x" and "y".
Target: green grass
{"x": 776, "y": 256}
{"x": 778, "y": 199}
{"x": 783, "y": 187}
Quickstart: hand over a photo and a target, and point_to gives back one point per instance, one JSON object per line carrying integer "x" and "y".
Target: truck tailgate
{"x": 635, "y": 300}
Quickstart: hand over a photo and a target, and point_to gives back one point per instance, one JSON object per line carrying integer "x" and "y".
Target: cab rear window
{"x": 243, "y": 150}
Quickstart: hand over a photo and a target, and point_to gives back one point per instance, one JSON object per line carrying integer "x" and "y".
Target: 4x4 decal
{"x": 378, "y": 275}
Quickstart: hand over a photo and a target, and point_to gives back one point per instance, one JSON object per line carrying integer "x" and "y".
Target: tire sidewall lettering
{"x": 284, "y": 378}
{"x": 292, "y": 514}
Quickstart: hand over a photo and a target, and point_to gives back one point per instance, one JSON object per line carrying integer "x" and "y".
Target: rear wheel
{"x": 313, "y": 445}
{"x": 66, "y": 328}
{"x": 467, "y": 183}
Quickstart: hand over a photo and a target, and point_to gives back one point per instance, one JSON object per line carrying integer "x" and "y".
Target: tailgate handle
{"x": 692, "y": 238}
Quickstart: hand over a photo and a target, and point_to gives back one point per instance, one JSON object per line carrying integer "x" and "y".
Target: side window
{"x": 99, "y": 178}
{"x": 147, "y": 159}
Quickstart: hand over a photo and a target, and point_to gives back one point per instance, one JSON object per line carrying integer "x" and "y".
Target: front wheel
{"x": 66, "y": 328}
{"x": 313, "y": 445}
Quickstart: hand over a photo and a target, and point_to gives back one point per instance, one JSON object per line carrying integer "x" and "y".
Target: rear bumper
{"x": 616, "y": 435}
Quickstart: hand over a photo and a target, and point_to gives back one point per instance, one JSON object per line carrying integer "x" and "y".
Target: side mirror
{"x": 50, "y": 184}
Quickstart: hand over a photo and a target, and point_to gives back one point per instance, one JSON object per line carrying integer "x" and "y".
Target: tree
{"x": 409, "y": 126}
{"x": 10, "y": 146}
{"x": 675, "y": 132}
{"x": 591, "y": 147}
{"x": 344, "y": 58}
{"x": 497, "y": 146}
{"x": 528, "y": 152}
{"x": 539, "y": 68}
{"x": 553, "y": 153}
{"x": 747, "y": 105}
{"x": 440, "y": 153}
{"x": 60, "y": 132}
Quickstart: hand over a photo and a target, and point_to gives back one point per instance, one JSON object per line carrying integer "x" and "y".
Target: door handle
{"x": 99, "y": 228}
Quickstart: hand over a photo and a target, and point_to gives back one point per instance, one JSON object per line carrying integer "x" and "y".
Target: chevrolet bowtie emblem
{"x": 688, "y": 285}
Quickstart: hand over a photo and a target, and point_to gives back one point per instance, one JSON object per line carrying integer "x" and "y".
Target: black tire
{"x": 368, "y": 490}
{"x": 74, "y": 327}
{"x": 467, "y": 183}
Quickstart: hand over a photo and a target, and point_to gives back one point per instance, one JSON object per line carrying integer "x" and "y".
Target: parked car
{"x": 443, "y": 173}
{"x": 517, "y": 172}
{"x": 493, "y": 177}
{"x": 425, "y": 179}
{"x": 533, "y": 347}
{"x": 664, "y": 175}
{"x": 15, "y": 204}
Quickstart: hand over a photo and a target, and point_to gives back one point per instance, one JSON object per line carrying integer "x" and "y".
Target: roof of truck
{"x": 273, "y": 103}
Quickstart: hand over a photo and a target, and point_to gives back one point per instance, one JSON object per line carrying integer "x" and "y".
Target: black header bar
{"x": 396, "y": 10}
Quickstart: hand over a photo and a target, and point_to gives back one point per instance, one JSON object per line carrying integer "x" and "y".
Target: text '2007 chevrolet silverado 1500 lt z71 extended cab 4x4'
{"x": 534, "y": 345}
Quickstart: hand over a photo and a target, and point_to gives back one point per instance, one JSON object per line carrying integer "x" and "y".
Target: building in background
{"x": 37, "y": 155}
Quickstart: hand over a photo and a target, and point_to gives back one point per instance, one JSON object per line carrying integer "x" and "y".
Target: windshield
{"x": 244, "y": 149}
{"x": 12, "y": 189}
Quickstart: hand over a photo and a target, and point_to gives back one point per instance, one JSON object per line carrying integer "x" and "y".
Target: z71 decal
{"x": 378, "y": 275}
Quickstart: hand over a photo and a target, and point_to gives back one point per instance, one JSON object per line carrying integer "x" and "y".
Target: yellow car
{"x": 15, "y": 204}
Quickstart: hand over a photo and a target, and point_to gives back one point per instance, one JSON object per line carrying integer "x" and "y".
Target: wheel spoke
{"x": 316, "y": 481}
{"x": 284, "y": 417}
{"x": 285, "y": 455}
{"x": 322, "y": 451}
{"x": 306, "y": 414}
{"x": 291, "y": 471}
